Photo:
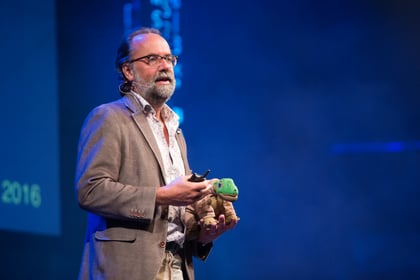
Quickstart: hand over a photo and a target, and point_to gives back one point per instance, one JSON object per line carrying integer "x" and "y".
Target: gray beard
{"x": 155, "y": 95}
{"x": 159, "y": 95}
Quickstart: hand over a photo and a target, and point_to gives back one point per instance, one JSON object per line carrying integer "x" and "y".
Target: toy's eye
{"x": 219, "y": 185}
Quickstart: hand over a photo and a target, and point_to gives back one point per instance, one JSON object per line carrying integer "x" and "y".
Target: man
{"x": 132, "y": 175}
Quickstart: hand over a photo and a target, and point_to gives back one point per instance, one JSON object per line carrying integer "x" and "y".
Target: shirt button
{"x": 162, "y": 244}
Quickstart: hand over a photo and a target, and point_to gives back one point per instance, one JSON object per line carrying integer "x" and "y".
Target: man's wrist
{"x": 160, "y": 196}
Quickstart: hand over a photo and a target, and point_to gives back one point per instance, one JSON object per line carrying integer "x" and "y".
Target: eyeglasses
{"x": 154, "y": 59}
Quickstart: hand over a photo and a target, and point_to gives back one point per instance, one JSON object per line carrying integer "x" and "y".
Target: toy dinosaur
{"x": 218, "y": 201}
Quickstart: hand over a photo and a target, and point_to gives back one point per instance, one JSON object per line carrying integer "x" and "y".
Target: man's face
{"x": 156, "y": 83}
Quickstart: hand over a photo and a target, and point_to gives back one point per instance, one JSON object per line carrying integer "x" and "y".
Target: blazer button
{"x": 162, "y": 244}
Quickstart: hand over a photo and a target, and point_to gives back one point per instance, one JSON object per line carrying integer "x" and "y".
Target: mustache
{"x": 164, "y": 76}
{"x": 143, "y": 85}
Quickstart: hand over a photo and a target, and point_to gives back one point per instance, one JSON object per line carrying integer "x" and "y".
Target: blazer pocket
{"x": 116, "y": 234}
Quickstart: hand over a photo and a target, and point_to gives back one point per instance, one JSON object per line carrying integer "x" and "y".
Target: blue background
{"x": 311, "y": 106}
{"x": 29, "y": 116}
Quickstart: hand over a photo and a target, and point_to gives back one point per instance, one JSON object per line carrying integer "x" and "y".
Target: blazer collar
{"x": 131, "y": 103}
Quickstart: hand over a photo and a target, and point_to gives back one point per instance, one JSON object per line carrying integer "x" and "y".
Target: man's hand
{"x": 181, "y": 192}
{"x": 209, "y": 234}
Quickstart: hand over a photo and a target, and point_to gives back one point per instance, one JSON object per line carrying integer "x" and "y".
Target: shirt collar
{"x": 168, "y": 114}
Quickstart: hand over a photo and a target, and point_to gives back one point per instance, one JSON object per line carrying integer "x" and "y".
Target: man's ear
{"x": 127, "y": 72}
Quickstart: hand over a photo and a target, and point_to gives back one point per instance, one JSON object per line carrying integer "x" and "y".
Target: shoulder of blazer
{"x": 130, "y": 102}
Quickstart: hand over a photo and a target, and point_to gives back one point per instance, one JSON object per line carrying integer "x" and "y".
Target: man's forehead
{"x": 139, "y": 38}
{"x": 148, "y": 39}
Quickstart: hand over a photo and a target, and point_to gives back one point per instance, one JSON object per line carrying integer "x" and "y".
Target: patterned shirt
{"x": 172, "y": 161}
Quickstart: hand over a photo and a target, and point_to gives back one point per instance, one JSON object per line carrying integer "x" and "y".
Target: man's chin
{"x": 159, "y": 97}
{"x": 165, "y": 92}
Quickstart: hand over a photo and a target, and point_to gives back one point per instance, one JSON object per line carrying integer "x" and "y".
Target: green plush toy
{"x": 218, "y": 201}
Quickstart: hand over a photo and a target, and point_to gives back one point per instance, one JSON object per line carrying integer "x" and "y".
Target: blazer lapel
{"x": 140, "y": 119}
{"x": 183, "y": 148}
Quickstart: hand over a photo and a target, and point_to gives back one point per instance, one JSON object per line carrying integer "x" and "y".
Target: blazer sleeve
{"x": 101, "y": 157}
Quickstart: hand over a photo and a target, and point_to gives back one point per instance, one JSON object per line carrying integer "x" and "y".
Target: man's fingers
{"x": 207, "y": 189}
{"x": 222, "y": 219}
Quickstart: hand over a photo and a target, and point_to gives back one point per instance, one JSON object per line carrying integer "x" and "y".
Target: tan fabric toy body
{"x": 218, "y": 201}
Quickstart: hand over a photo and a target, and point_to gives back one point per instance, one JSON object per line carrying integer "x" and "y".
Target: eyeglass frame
{"x": 173, "y": 59}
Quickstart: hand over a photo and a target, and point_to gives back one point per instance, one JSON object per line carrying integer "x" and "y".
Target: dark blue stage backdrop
{"x": 29, "y": 142}
{"x": 311, "y": 106}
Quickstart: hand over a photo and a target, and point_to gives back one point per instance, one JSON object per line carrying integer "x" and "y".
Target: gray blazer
{"x": 119, "y": 168}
